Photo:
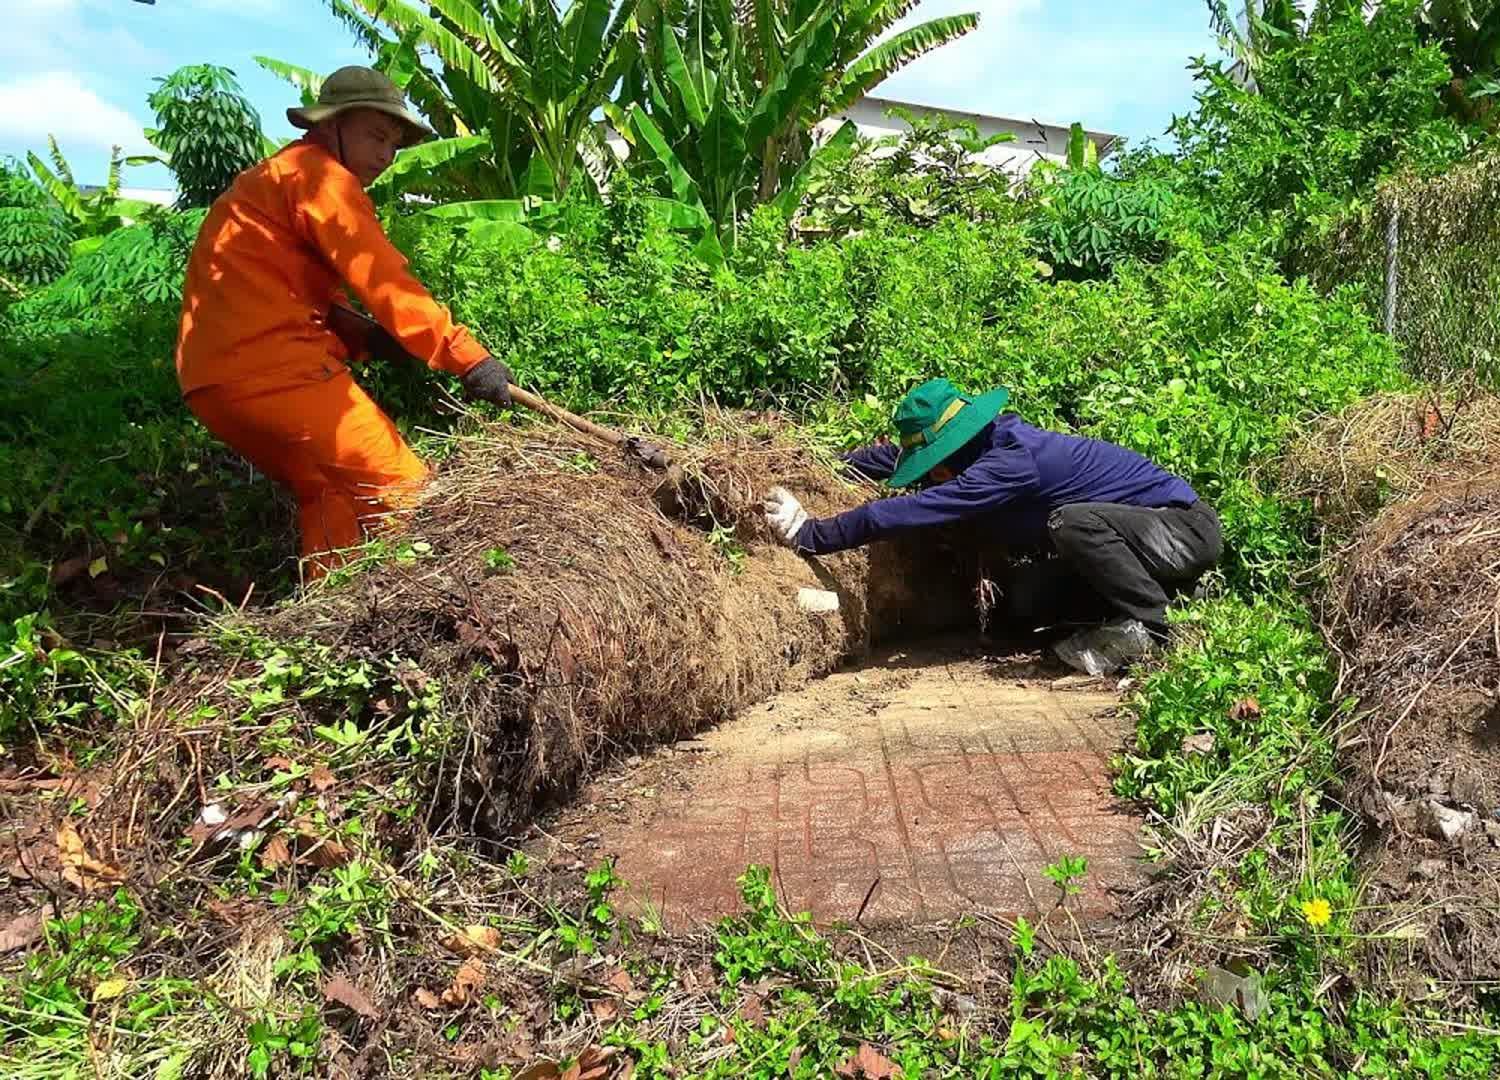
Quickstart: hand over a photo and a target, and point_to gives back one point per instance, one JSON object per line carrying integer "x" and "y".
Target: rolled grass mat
{"x": 554, "y": 607}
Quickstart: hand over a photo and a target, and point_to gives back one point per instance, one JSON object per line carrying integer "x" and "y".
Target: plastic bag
{"x": 1106, "y": 649}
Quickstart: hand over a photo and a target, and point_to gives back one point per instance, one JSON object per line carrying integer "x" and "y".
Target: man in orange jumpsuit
{"x": 264, "y": 346}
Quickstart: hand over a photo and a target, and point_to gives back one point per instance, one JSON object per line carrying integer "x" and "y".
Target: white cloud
{"x": 58, "y": 103}
{"x": 43, "y": 34}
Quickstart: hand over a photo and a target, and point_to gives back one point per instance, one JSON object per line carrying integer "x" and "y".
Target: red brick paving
{"x": 951, "y": 798}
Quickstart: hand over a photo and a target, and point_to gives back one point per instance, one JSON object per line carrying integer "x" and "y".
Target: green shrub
{"x": 1085, "y": 222}
{"x": 1255, "y": 676}
{"x": 1329, "y": 114}
{"x": 133, "y": 269}
{"x": 35, "y": 238}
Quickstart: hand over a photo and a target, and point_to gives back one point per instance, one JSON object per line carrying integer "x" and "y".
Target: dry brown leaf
{"x": 79, "y": 868}
{"x": 426, "y": 998}
{"x": 276, "y": 853}
{"x": 314, "y": 849}
{"x": 473, "y": 941}
{"x": 620, "y": 981}
{"x": 542, "y": 1070}
{"x": 793, "y": 1060}
{"x": 869, "y": 1063}
{"x": 595, "y": 1063}
{"x": 68, "y": 569}
{"x": 230, "y": 912}
{"x": 605, "y": 1010}
{"x": 22, "y": 931}
{"x": 1247, "y": 708}
{"x": 321, "y": 778}
{"x": 341, "y": 990}
{"x": 469, "y": 978}
{"x": 753, "y": 1012}
{"x": 285, "y": 764}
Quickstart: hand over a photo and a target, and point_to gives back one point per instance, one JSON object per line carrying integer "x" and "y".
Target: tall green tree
{"x": 206, "y": 129}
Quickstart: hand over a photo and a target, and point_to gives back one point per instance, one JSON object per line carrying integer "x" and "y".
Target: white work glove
{"x": 784, "y": 514}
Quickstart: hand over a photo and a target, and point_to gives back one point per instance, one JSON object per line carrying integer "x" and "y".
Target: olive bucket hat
{"x": 357, "y": 87}
{"x": 935, "y": 422}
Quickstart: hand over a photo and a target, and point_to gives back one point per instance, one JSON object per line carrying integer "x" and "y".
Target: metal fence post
{"x": 1392, "y": 247}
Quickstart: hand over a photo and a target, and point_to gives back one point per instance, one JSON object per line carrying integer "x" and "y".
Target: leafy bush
{"x": 133, "y": 269}
{"x": 35, "y": 238}
{"x": 1329, "y": 114}
{"x": 208, "y": 130}
{"x": 930, "y": 172}
{"x": 1254, "y": 676}
{"x": 1087, "y": 221}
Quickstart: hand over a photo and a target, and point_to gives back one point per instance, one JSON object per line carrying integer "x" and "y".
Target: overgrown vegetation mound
{"x": 1385, "y": 448}
{"x": 1419, "y": 626}
{"x": 543, "y": 611}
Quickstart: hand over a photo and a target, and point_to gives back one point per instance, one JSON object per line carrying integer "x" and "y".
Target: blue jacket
{"x": 1011, "y": 476}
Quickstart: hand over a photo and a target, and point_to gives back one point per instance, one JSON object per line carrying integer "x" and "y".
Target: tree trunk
{"x": 770, "y": 159}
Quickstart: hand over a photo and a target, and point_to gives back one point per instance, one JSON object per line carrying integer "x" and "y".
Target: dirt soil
{"x": 1418, "y": 620}
{"x": 898, "y": 795}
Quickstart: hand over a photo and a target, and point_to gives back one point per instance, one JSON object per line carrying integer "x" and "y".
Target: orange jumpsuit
{"x": 259, "y": 365}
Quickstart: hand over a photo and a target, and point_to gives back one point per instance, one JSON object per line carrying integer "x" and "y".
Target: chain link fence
{"x": 1427, "y": 252}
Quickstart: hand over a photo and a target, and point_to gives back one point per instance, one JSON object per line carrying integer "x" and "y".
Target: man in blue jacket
{"x": 1127, "y": 534}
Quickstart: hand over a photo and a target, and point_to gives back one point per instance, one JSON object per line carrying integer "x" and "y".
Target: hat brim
{"x": 308, "y": 116}
{"x": 916, "y": 463}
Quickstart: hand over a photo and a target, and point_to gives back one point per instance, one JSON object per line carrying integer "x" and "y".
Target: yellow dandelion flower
{"x": 1317, "y": 912}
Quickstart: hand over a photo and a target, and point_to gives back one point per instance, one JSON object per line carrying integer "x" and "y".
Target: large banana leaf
{"x": 684, "y": 187}
{"x": 64, "y": 194}
{"x": 480, "y": 210}
{"x": 675, "y": 66}
{"x": 685, "y": 210}
{"x": 308, "y": 83}
{"x": 875, "y": 66}
{"x": 422, "y": 160}
{"x": 583, "y": 36}
{"x": 1082, "y": 153}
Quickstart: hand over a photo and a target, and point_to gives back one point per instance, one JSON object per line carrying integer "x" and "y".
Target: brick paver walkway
{"x": 945, "y": 796}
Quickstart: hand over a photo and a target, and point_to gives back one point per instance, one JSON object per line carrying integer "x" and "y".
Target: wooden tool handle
{"x": 556, "y": 412}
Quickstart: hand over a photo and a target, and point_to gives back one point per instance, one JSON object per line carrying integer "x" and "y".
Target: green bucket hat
{"x": 935, "y": 422}
{"x": 357, "y": 87}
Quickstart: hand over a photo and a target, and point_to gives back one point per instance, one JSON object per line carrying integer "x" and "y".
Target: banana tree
{"x": 551, "y": 72}
{"x": 482, "y": 150}
{"x": 93, "y": 215}
{"x": 727, "y": 94}
{"x": 707, "y": 131}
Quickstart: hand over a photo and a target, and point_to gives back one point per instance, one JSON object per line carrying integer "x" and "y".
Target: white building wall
{"x": 1034, "y": 141}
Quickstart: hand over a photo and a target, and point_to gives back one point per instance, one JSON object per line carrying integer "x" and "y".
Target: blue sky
{"x": 82, "y": 69}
